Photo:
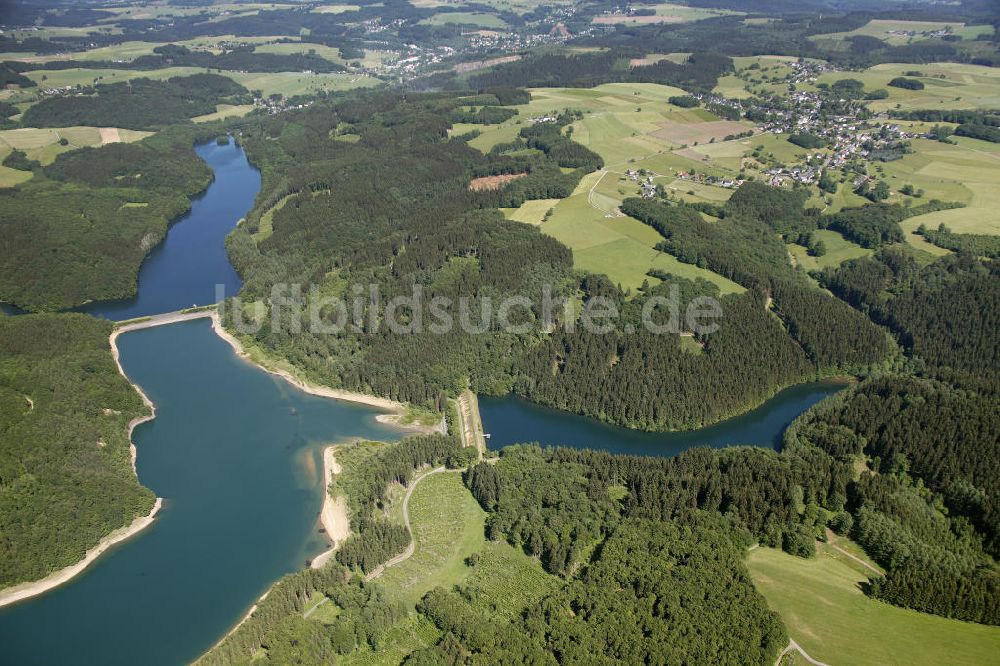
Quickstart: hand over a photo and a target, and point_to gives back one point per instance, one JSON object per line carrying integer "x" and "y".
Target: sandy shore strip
{"x": 314, "y": 389}
{"x": 23, "y": 591}
{"x": 333, "y": 517}
{"x": 26, "y": 590}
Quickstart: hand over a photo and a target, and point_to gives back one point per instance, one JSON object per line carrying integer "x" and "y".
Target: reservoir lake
{"x": 236, "y": 453}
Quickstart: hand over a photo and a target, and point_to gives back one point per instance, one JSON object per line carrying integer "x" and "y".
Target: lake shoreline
{"x": 30, "y": 589}
{"x": 333, "y": 516}
{"x": 23, "y": 591}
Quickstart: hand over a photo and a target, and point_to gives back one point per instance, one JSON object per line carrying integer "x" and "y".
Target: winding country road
{"x": 406, "y": 554}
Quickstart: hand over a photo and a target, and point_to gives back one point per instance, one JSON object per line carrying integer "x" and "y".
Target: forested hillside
{"x": 396, "y": 207}
{"x": 79, "y": 230}
{"x": 66, "y": 476}
{"x": 139, "y": 103}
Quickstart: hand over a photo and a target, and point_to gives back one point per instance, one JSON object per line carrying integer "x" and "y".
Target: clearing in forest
{"x": 822, "y": 605}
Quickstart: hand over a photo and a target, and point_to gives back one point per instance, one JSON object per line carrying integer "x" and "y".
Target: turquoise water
{"x": 185, "y": 268}
{"x": 236, "y": 454}
{"x": 511, "y": 420}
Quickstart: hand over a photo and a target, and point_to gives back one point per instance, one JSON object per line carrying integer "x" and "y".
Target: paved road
{"x": 163, "y": 319}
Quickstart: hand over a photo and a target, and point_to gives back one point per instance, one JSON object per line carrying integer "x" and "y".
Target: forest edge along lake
{"x": 230, "y": 452}
{"x": 184, "y": 270}
{"x": 235, "y": 453}
{"x": 511, "y": 420}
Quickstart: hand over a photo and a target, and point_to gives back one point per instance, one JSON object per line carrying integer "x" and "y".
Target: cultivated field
{"x": 967, "y": 173}
{"x": 825, "y": 611}
{"x": 44, "y": 144}
{"x": 620, "y": 247}
{"x": 285, "y": 83}
{"x": 225, "y": 111}
{"x": 479, "y": 19}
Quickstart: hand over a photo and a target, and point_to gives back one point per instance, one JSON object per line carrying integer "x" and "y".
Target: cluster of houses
{"x": 923, "y": 33}
{"x": 708, "y": 179}
{"x": 846, "y": 126}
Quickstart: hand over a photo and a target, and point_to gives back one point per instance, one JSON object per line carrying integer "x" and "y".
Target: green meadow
{"x": 285, "y": 83}
{"x": 618, "y": 246}
{"x": 947, "y": 85}
{"x": 448, "y": 526}
{"x": 479, "y": 19}
{"x": 838, "y": 250}
{"x": 44, "y": 145}
{"x": 631, "y": 126}
{"x": 893, "y": 31}
{"x": 825, "y": 611}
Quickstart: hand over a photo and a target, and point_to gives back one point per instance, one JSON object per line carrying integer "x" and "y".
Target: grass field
{"x": 838, "y": 250}
{"x": 84, "y": 76}
{"x": 11, "y": 177}
{"x": 285, "y": 83}
{"x": 448, "y": 526}
{"x": 43, "y": 144}
{"x": 895, "y": 32}
{"x": 666, "y": 12}
{"x": 479, "y": 19}
{"x": 620, "y": 247}
{"x": 947, "y": 85}
{"x": 530, "y": 212}
{"x": 297, "y": 83}
{"x": 827, "y": 614}
{"x": 965, "y": 173}
{"x": 225, "y": 111}
{"x": 625, "y": 124}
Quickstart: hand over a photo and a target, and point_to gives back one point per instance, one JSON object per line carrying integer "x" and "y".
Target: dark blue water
{"x": 511, "y": 420}
{"x": 185, "y": 268}
{"x": 236, "y": 453}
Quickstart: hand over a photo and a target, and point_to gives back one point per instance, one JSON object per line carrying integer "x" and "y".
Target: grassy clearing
{"x": 290, "y": 84}
{"x": 894, "y": 32}
{"x": 223, "y": 111}
{"x": 530, "y": 212}
{"x": 504, "y": 581}
{"x": 448, "y": 526}
{"x": 336, "y": 9}
{"x": 838, "y": 250}
{"x": 825, "y": 611}
{"x": 266, "y": 226}
{"x": 13, "y": 177}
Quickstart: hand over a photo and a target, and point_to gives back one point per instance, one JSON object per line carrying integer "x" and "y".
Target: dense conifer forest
{"x": 66, "y": 476}
{"x": 138, "y": 104}
{"x": 80, "y": 228}
{"x": 373, "y": 188}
